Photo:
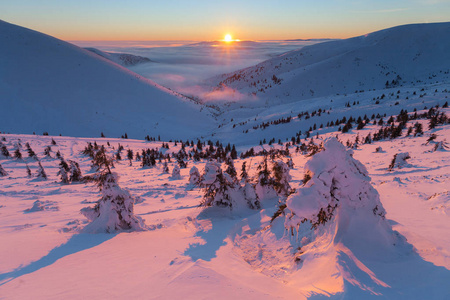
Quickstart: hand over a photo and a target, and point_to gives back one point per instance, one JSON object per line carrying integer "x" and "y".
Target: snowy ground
{"x": 219, "y": 254}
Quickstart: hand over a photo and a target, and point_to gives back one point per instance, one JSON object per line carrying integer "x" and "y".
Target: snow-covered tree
{"x": 166, "y": 168}
{"x": 63, "y": 171}
{"x": 41, "y": 172}
{"x": 244, "y": 173}
{"x": 47, "y": 151}
{"x": 281, "y": 178}
{"x": 194, "y": 176}
{"x": 4, "y": 150}
{"x": 115, "y": 209}
{"x": 3, "y": 171}
{"x": 30, "y": 151}
{"x": 231, "y": 170}
{"x": 217, "y": 186}
{"x": 399, "y": 161}
{"x": 75, "y": 172}
{"x": 250, "y": 196}
{"x": 17, "y": 153}
{"x": 176, "y": 172}
{"x": 28, "y": 171}
{"x": 338, "y": 203}
{"x": 264, "y": 184}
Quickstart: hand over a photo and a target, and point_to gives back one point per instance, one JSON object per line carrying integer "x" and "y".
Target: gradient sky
{"x": 211, "y": 20}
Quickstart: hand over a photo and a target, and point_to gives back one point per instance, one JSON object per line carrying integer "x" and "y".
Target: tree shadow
{"x": 406, "y": 276}
{"x": 77, "y": 243}
{"x": 224, "y": 225}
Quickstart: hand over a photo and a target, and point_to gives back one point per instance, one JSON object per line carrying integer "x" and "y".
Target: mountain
{"x": 48, "y": 85}
{"x": 123, "y": 59}
{"x": 401, "y": 56}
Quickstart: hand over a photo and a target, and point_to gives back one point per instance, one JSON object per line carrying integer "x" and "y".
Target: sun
{"x": 228, "y": 38}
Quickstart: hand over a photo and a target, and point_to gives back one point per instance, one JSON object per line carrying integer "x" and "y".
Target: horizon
{"x": 203, "y": 21}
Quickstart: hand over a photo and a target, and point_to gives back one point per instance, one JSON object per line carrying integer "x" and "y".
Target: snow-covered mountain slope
{"x": 123, "y": 59}
{"x": 192, "y": 253}
{"x": 48, "y": 85}
{"x": 401, "y": 56}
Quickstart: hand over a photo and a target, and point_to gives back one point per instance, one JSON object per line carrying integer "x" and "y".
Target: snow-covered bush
{"x": 115, "y": 209}
{"x": 42, "y": 205}
{"x": 194, "y": 176}
{"x": 399, "y": 161}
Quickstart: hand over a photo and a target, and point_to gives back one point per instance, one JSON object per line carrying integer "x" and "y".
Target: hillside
{"x": 48, "y": 85}
{"x": 123, "y": 59}
{"x": 401, "y": 56}
{"x": 392, "y": 243}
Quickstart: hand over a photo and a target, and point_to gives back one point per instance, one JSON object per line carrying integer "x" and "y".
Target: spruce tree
{"x": 17, "y": 154}
{"x": 115, "y": 209}
{"x": 41, "y": 172}
{"x": 2, "y": 171}
{"x": 63, "y": 171}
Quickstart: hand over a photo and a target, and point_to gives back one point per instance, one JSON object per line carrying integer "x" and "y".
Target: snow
{"x": 386, "y": 236}
{"x": 48, "y": 85}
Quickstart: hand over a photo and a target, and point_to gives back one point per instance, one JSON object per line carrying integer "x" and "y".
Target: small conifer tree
{"x": 41, "y": 172}
{"x": 2, "y": 171}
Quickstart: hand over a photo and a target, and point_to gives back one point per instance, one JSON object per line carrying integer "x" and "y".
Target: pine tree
{"x": 194, "y": 176}
{"x": 63, "y": 171}
{"x": 281, "y": 178}
{"x": 244, "y": 174}
{"x": 2, "y": 171}
{"x": 231, "y": 170}
{"x": 28, "y": 171}
{"x": 115, "y": 209}
{"x": 41, "y": 172}
{"x": 130, "y": 156}
{"x": 4, "y": 150}
{"x": 166, "y": 168}
{"x": 75, "y": 172}
{"x": 30, "y": 151}
{"x": 176, "y": 172}
{"x": 17, "y": 154}
{"x": 47, "y": 151}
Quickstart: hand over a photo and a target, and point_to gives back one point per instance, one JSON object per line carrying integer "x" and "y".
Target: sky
{"x": 201, "y": 20}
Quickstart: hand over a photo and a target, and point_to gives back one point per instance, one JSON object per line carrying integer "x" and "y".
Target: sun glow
{"x": 228, "y": 38}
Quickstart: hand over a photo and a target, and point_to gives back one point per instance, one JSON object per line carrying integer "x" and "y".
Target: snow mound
{"x": 39, "y": 205}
